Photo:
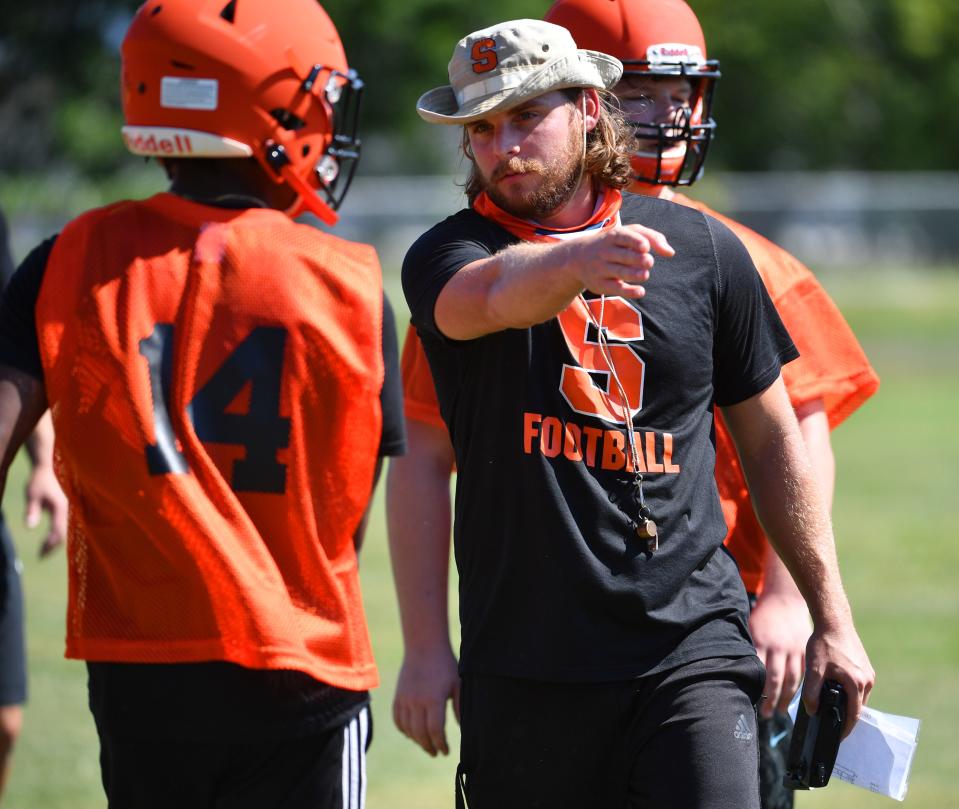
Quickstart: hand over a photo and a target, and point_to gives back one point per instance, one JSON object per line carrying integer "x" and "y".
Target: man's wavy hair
{"x": 609, "y": 146}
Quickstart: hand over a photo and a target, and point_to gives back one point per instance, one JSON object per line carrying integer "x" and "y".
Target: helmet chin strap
{"x": 307, "y": 198}
{"x": 277, "y": 160}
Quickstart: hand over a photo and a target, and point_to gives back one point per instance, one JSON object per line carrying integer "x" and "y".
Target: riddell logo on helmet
{"x": 170, "y": 141}
{"x": 176, "y": 144}
{"x": 674, "y": 52}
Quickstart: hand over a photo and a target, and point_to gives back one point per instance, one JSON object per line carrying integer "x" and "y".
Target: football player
{"x": 223, "y": 383}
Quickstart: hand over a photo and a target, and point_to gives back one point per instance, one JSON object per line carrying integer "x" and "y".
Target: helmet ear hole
{"x": 306, "y": 150}
{"x": 287, "y": 119}
{"x": 229, "y": 11}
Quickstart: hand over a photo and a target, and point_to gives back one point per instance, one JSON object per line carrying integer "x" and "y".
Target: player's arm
{"x": 418, "y": 518}
{"x": 43, "y": 492}
{"x": 526, "y": 284}
{"x": 814, "y": 426}
{"x": 779, "y": 623}
{"x": 23, "y": 400}
{"x": 23, "y": 397}
{"x": 792, "y": 509}
{"x": 24, "y": 392}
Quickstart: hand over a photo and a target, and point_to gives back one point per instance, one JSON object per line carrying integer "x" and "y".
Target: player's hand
{"x": 43, "y": 494}
{"x": 425, "y": 684}
{"x": 780, "y": 628}
{"x": 837, "y": 653}
{"x": 617, "y": 261}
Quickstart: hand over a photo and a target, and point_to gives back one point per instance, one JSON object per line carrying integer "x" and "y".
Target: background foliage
{"x": 807, "y": 84}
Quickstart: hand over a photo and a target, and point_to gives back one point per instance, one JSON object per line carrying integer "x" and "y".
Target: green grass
{"x": 896, "y": 512}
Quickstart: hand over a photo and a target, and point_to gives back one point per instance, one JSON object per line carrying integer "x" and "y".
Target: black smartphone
{"x": 815, "y": 740}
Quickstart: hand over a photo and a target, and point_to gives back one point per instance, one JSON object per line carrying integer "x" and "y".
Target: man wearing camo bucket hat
{"x": 605, "y": 657}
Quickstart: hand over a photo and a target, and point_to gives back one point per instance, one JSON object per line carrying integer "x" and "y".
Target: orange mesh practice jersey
{"x": 831, "y": 367}
{"x": 214, "y": 377}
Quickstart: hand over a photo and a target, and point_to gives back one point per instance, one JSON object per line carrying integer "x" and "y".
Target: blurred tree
{"x": 59, "y": 79}
{"x": 861, "y": 84}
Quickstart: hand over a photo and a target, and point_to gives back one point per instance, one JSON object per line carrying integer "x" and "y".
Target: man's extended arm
{"x": 418, "y": 516}
{"x": 792, "y": 509}
{"x": 528, "y": 284}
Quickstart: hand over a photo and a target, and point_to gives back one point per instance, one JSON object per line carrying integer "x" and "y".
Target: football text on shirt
{"x": 607, "y": 449}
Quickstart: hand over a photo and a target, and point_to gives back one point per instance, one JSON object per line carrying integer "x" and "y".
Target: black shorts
{"x": 682, "y": 739}
{"x": 194, "y": 736}
{"x": 320, "y": 771}
{"x": 13, "y": 655}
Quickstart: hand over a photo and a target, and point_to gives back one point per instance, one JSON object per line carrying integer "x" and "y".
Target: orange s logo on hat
{"x": 484, "y": 55}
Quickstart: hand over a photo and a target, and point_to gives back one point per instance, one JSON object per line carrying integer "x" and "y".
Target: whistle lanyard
{"x": 643, "y": 524}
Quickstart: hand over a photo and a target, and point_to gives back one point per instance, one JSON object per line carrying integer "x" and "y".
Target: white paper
{"x": 878, "y": 754}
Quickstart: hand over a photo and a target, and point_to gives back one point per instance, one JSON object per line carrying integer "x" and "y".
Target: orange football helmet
{"x": 658, "y": 38}
{"x": 266, "y": 79}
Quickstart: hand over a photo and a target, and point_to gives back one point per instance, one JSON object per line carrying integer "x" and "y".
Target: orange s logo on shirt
{"x": 588, "y": 386}
{"x": 484, "y": 55}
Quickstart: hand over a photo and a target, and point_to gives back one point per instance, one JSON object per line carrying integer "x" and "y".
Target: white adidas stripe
{"x": 355, "y": 735}
{"x": 364, "y": 735}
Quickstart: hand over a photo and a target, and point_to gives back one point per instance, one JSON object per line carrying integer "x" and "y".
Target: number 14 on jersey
{"x": 258, "y": 362}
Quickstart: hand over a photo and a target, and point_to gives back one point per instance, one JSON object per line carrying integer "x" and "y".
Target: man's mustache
{"x": 516, "y": 166}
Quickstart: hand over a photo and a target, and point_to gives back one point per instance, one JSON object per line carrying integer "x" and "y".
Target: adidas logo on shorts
{"x": 742, "y": 730}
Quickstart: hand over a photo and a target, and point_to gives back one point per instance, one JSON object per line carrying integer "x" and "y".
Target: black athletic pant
{"x": 683, "y": 739}
{"x": 321, "y": 771}
{"x": 218, "y": 736}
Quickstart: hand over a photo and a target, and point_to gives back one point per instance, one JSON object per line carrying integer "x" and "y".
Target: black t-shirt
{"x": 20, "y": 349}
{"x": 554, "y": 583}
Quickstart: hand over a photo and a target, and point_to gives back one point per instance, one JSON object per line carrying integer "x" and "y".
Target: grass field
{"x": 896, "y": 514}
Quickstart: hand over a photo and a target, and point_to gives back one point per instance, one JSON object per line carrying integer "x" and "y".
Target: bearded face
{"x": 548, "y": 182}
{"x": 529, "y": 160}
